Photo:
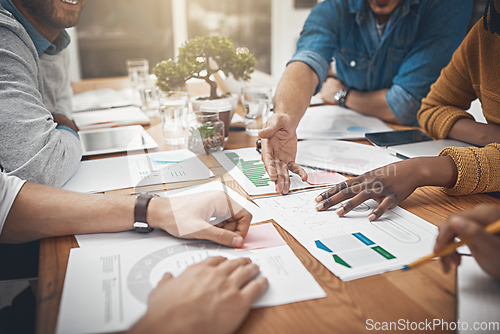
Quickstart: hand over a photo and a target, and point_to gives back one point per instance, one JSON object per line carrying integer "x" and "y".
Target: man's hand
{"x": 329, "y": 88}
{"x": 190, "y": 217}
{"x": 62, "y": 120}
{"x": 279, "y": 148}
{"x": 213, "y": 296}
{"x": 470, "y": 225}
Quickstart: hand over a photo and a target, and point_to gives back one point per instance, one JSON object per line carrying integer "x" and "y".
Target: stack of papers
{"x": 106, "y": 289}
{"x": 334, "y": 122}
{"x": 137, "y": 170}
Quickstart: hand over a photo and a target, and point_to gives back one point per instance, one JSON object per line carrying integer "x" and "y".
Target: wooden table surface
{"x": 424, "y": 293}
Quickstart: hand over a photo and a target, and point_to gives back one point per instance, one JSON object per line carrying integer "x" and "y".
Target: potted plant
{"x": 202, "y": 58}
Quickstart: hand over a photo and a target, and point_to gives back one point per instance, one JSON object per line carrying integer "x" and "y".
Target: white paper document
{"x": 102, "y": 99}
{"x": 334, "y": 122}
{"x": 138, "y": 170}
{"x": 425, "y": 148}
{"x": 110, "y": 117}
{"x": 478, "y": 297}
{"x": 342, "y": 156}
{"x": 352, "y": 247}
{"x": 107, "y": 289}
{"x": 247, "y": 168}
{"x": 106, "y": 239}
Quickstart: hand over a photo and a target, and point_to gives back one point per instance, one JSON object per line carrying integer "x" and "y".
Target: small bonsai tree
{"x": 201, "y": 57}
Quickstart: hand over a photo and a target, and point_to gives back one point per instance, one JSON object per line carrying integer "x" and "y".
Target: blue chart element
{"x": 322, "y": 246}
{"x": 363, "y": 239}
{"x": 358, "y": 129}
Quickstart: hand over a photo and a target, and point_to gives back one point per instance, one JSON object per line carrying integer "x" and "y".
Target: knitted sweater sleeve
{"x": 478, "y": 169}
{"x": 451, "y": 94}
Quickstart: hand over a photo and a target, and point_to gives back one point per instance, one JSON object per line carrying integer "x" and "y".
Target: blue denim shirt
{"x": 419, "y": 40}
{"x": 41, "y": 43}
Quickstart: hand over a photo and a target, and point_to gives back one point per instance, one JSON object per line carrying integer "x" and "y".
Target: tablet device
{"x": 112, "y": 140}
{"x": 384, "y": 139}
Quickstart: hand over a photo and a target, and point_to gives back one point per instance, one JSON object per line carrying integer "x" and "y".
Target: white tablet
{"x": 112, "y": 140}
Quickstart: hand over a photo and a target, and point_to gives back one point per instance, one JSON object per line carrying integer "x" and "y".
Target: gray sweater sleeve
{"x": 9, "y": 188}
{"x": 31, "y": 147}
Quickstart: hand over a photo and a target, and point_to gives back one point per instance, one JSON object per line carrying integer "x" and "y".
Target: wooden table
{"x": 424, "y": 293}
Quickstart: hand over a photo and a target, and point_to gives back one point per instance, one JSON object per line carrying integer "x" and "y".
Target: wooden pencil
{"x": 491, "y": 229}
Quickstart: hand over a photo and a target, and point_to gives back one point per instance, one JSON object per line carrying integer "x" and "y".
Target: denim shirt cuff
{"x": 316, "y": 62}
{"x": 403, "y": 105}
{"x": 62, "y": 127}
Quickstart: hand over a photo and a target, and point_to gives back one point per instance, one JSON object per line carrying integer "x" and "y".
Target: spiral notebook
{"x": 103, "y": 108}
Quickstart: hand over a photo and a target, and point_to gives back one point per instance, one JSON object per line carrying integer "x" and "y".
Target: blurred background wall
{"x": 111, "y": 31}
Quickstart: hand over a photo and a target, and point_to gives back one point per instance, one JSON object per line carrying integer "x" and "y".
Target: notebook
{"x": 104, "y": 108}
{"x": 106, "y": 118}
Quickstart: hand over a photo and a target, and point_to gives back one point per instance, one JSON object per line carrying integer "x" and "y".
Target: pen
{"x": 491, "y": 229}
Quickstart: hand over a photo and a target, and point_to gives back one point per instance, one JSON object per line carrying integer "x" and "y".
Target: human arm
{"x": 55, "y": 212}
{"x": 389, "y": 185}
{"x": 443, "y": 113}
{"x": 470, "y": 225}
{"x": 368, "y": 103}
{"x": 470, "y": 131}
{"x": 213, "y": 296}
{"x": 31, "y": 145}
{"x": 62, "y": 120}
{"x": 279, "y": 139}
{"x": 302, "y": 78}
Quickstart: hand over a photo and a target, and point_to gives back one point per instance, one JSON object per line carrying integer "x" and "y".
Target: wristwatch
{"x": 140, "y": 212}
{"x": 341, "y": 95}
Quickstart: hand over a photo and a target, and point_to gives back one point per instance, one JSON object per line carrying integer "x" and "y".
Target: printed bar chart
{"x": 254, "y": 170}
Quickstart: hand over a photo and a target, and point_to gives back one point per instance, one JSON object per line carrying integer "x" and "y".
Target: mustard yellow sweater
{"x": 474, "y": 72}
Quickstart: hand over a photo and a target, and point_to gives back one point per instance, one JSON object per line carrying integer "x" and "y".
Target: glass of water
{"x": 173, "y": 108}
{"x": 257, "y": 102}
{"x": 138, "y": 73}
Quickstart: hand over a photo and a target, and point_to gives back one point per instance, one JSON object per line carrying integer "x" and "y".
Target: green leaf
{"x": 193, "y": 60}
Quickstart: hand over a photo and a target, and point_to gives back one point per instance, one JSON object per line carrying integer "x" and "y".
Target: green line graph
{"x": 254, "y": 170}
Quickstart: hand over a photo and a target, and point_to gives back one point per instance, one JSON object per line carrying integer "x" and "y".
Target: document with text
{"x": 106, "y": 289}
{"x": 352, "y": 247}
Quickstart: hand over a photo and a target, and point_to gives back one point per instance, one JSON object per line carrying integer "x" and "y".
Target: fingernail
{"x": 372, "y": 217}
{"x": 319, "y": 206}
{"x": 460, "y": 225}
{"x": 340, "y": 211}
{"x": 319, "y": 198}
{"x": 237, "y": 242}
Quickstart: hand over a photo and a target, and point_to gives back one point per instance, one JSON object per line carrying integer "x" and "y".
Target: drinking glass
{"x": 173, "y": 109}
{"x": 138, "y": 73}
{"x": 257, "y": 103}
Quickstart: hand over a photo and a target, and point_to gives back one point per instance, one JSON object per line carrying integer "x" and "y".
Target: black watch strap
{"x": 140, "y": 212}
{"x": 343, "y": 96}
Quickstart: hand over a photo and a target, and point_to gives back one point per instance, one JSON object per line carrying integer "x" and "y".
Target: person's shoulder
{"x": 7, "y": 21}
{"x": 13, "y": 35}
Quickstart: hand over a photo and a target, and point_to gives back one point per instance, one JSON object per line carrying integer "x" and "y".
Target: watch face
{"x": 338, "y": 94}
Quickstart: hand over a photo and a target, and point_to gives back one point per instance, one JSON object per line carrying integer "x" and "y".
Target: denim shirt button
{"x": 352, "y": 63}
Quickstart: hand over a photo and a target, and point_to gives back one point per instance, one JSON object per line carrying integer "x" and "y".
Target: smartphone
{"x": 391, "y": 138}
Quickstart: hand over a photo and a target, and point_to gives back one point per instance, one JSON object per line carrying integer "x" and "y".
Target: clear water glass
{"x": 257, "y": 102}
{"x": 173, "y": 109}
